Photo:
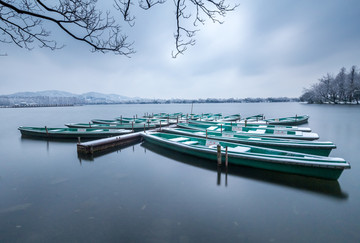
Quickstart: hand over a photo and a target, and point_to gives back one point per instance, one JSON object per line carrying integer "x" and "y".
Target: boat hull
{"x": 70, "y": 133}
{"x": 137, "y": 127}
{"x": 323, "y": 172}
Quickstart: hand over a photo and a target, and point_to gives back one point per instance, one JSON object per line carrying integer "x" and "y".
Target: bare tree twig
{"x": 22, "y": 22}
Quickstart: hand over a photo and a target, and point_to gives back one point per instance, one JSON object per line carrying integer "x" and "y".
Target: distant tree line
{"x": 343, "y": 88}
{"x": 6, "y": 101}
{"x": 216, "y": 100}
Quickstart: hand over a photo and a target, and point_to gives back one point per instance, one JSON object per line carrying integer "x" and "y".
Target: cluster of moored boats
{"x": 277, "y": 144}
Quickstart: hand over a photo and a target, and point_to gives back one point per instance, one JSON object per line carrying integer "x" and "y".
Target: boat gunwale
{"x": 287, "y": 142}
{"x": 270, "y": 135}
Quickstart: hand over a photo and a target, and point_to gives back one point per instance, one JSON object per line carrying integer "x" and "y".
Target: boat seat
{"x": 239, "y": 149}
{"x": 215, "y": 146}
{"x": 199, "y": 133}
{"x": 179, "y": 139}
{"x": 257, "y": 131}
{"x": 298, "y": 133}
{"x": 212, "y": 128}
{"x": 190, "y": 142}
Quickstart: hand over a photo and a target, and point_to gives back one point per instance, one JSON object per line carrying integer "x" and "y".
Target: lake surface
{"x": 143, "y": 193}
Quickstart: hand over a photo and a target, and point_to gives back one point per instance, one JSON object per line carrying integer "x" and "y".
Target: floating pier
{"x": 111, "y": 142}
{"x": 107, "y": 143}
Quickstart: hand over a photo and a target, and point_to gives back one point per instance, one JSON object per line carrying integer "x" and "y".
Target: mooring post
{"x": 89, "y": 124}
{"x": 160, "y": 125}
{"x": 221, "y": 128}
{"x": 144, "y": 127}
{"x": 79, "y": 141}
{"x": 226, "y": 157}
{"x": 245, "y": 122}
{"x": 177, "y": 119}
{"x": 219, "y": 155}
{"x": 47, "y": 132}
{"x": 206, "y": 133}
{"x": 132, "y": 126}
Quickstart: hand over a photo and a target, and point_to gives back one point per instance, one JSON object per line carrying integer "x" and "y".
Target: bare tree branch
{"x": 23, "y": 25}
{"x": 22, "y": 22}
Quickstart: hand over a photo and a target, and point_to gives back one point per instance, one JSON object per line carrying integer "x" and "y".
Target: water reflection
{"x": 309, "y": 184}
{"x": 61, "y": 140}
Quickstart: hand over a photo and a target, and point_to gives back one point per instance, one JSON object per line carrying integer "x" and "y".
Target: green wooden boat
{"x": 136, "y": 122}
{"x": 176, "y": 115}
{"x": 113, "y": 121}
{"x": 295, "y": 120}
{"x": 206, "y": 117}
{"x": 151, "y": 115}
{"x": 257, "y": 126}
{"x": 258, "y": 157}
{"x": 132, "y": 126}
{"x": 234, "y": 117}
{"x": 255, "y": 117}
{"x": 287, "y": 121}
{"x": 322, "y": 148}
{"x": 45, "y": 132}
{"x": 252, "y": 131}
{"x": 148, "y": 120}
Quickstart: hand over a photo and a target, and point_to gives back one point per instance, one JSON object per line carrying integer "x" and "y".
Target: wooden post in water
{"x": 245, "y": 122}
{"x": 221, "y": 128}
{"x": 218, "y": 155}
{"x": 89, "y": 124}
{"x": 79, "y": 141}
{"x": 206, "y": 133}
{"x": 47, "y": 132}
{"x": 144, "y": 127}
{"x": 132, "y": 126}
{"x": 160, "y": 125}
{"x": 226, "y": 157}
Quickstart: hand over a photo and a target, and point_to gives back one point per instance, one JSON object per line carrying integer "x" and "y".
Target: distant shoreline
{"x": 139, "y": 103}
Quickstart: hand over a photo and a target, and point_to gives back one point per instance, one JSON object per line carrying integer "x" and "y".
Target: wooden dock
{"x": 100, "y": 145}
{"x": 108, "y": 143}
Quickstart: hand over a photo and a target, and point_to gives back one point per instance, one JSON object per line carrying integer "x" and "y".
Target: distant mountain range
{"x": 62, "y": 98}
{"x": 57, "y": 93}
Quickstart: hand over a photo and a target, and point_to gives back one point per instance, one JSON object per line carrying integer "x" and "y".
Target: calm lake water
{"x": 143, "y": 193}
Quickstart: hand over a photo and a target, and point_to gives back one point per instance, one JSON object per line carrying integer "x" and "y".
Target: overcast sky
{"x": 264, "y": 49}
